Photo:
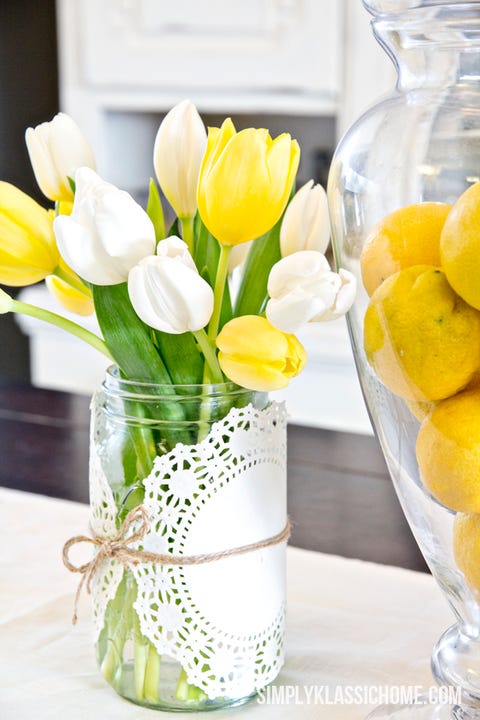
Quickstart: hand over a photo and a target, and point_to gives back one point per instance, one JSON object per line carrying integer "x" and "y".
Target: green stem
{"x": 187, "y": 234}
{"x": 210, "y": 355}
{"x": 111, "y": 665}
{"x": 72, "y": 279}
{"x": 139, "y": 664}
{"x": 220, "y": 280}
{"x": 152, "y": 675}
{"x": 61, "y": 322}
{"x": 111, "y": 662}
{"x": 190, "y": 694}
{"x": 181, "y": 691}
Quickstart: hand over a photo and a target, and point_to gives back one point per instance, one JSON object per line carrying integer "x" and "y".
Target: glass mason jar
{"x": 418, "y": 147}
{"x": 207, "y": 462}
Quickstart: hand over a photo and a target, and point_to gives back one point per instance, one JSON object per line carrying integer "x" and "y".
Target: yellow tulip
{"x": 68, "y": 289}
{"x": 28, "y": 251}
{"x": 245, "y": 181}
{"x": 257, "y": 356}
{"x": 63, "y": 207}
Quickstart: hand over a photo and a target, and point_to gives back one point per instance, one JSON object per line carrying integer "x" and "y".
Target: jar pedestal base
{"x": 416, "y": 711}
{"x": 456, "y": 663}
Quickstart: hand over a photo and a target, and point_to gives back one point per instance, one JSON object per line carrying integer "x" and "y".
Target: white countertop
{"x": 350, "y": 623}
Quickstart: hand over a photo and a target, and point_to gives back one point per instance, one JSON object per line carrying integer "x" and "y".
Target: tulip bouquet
{"x": 167, "y": 309}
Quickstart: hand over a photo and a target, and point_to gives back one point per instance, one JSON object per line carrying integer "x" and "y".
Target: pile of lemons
{"x": 421, "y": 268}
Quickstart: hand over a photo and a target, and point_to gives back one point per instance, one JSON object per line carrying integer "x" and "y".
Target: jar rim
{"x": 114, "y": 383}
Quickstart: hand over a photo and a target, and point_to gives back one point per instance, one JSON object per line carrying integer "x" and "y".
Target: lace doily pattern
{"x": 224, "y": 620}
{"x": 103, "y": 513}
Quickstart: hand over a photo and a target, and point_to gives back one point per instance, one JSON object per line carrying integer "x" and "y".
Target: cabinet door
{"x": 289, "y": 46}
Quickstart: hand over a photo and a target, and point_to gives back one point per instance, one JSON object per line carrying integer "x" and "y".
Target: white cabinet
{"x": 213, "y": 49}
{"x": 123, "y": 63}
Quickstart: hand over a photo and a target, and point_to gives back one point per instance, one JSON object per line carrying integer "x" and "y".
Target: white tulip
{"x": 106, "y": 234}
{"x": 306, "y": 223}
{"x": 169, "y": 295}
{"x": 174, "y": 247}
{"x": 238, "y": 255}
{"x": 57, "y": 149}
{"x": 177, "y": 155}
{"x": 303, "y": 289}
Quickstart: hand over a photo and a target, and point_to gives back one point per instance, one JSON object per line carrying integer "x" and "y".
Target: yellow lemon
{"x": 466, "y": 548}
{"x": 421, "y": 339}
{"x": 420, "y": 410}
{"x": 408, "y": 236}
{"x": 448, "y": 452}
{"x": 460, "y": 246}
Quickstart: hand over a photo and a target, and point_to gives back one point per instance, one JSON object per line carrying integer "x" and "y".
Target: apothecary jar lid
{"x": 377, "y": 7}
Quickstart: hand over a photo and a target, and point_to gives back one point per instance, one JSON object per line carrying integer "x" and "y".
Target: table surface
{"x": 340, "y": 497}
{"x": 351, "y": 625}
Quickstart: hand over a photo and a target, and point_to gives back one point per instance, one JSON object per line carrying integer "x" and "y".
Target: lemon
{"x": 408, "y": 236}
{"x": 420, "y": 410}
{"x": 421, "y": 339}
{"x": 460, "y": 246}
{"x": 448, "y": 452}
{"x": 466, "y": 548}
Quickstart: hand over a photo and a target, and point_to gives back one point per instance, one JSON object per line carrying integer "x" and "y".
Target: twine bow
{"x": 118, "y": 547}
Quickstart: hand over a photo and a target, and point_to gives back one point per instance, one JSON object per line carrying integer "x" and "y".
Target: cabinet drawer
{"x": 289, "y": 46}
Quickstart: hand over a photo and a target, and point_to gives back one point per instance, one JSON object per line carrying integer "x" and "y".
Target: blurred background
{"x": 307, "y": 67}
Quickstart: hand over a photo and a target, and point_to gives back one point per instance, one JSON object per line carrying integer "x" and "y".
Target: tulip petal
{"x": 28, "y": 252}
{"x": 345, "y": 296}
{"x": 169, "y": 296}
{"x": 306, "y": 223}
{"x": 257, "y": 356}
{"x": 240, "y": 194}
{"x": 303, "y": 289}
{"x": 174, "y": 247}
{"x": 69, "y": 297}
{"x": 177, "y": 157}
{"x": 69, "y": 150}
{"x": 252, "y": 335}
{"x": 124, "y": 229}
{"x": 291, "y": 312}
{"x": 79, "y": 250}
{"x": 56, "y": 149}
{"x": 301, "y": 268}
{"x": 28, "y": 214}
{"x": 42, "y": 166}
{"x": 253, "y": 375}
{"x": 107, "y": 232}
{"x": 217, "y": 140}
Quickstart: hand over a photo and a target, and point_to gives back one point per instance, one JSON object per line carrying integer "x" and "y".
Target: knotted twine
{"x": 117, "y": 547}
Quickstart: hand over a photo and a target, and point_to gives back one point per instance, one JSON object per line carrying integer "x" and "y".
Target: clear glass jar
{"x": 135, "y": 428}
{"x": 419, "y": 144}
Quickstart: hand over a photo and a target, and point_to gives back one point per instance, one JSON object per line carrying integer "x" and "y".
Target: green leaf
{"x": 207, "y": 252}
{"x": 127, "y": 337}
{"x": 130, "y": 343}
{"x": 264, "y": 253}
{"x": 174, "y": 229}
{"x": 155, "y": 211}
{"x": 181, "y": 357}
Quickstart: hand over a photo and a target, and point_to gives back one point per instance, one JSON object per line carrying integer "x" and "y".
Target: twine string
{"x": 118, "y": 548}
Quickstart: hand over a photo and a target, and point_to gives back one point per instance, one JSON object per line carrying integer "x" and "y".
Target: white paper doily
{"x": 224, "y": 620}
